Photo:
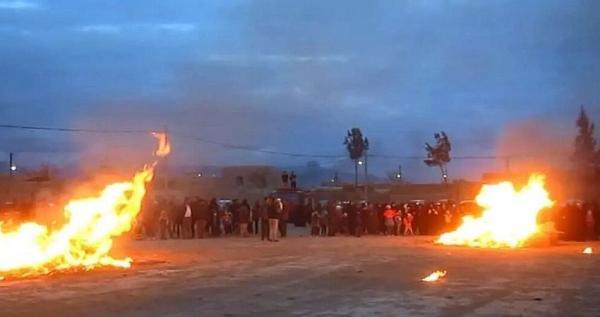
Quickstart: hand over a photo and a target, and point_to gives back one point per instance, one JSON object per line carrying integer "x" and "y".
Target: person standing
{"x": 408, "y": 224}
{"x": 175, "y": 218}
{"x": 187, "y": 219}
{"x": 227, "y": 221}
{"x": 590, "y": 223}
{"x": 398, "y": 222}
{"x": 275, "y": 211}
{"x": 203, "y": 218}
{"x": 284, "y": 215}
{"x": 234, "y": 211}
{"x": 351, "y": 211}
{"x": 255, "y": 216}
{"x": 372, "y": 222}
{"x": 358, "y": 220}
{"x": 215, "y": 221}
{"x": 293, "y": 180}
{"x": 315, "y": 223}
{"x": 338, "y": 218}
{"x": 264, "y": 219}
{"x": 195, "y": 206}
{"x": 285, "y": 178}
{"x": 331, "y": 214}
{"x": 324, "y": 222}
{"x": 388, "y": 216}
{"x": 244, "y": 216}
{"x": 163, "y": 221}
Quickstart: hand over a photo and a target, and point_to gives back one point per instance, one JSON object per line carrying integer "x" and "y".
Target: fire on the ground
{"x": 86, "y": 238}
{"x": 509, "y": 218}
{"x": 435, "y": 276}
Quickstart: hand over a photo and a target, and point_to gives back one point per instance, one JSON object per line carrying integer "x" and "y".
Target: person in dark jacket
{"x": 195, "y": 206}
{"x": 176, "y": 217}
{"x": 264, "y": 219}
{"x": 244, "y": 217}
{"x": 235, "y": 215}
{"x": 255, "y": 217}
{"x": 283, "y": 217}
{"x": 358, "y": 220}
{"x": 203, "y": 218}
{"x": 215, "y": 221}
{"x": 331, "y": 214}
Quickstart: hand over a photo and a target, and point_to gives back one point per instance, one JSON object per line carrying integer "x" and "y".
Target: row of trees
{"x": 586, "y": 156}
{"x": 438, "y": 155}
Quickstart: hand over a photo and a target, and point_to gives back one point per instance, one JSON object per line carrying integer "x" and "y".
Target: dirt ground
{"x": 304, "y": 276}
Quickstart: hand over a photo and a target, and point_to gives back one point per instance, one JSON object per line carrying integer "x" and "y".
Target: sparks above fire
{"x": 84, "y": 242}
{"x": 509, "y": 218}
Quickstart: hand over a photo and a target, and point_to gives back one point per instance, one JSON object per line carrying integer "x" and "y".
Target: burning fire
{"x": 434, "y": 276}
{"x": 164, "y": 147}
{"x": 509, "y": 218}
{"x": 587, "y": 250}
{"x": 86, "y": 238}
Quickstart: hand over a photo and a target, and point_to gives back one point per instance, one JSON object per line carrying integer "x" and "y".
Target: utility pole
{"x": 355, "y": 174}
{"x": 366, "y": 177}
{"x": 399, "y": 174}
{"x": 12, "y": 167}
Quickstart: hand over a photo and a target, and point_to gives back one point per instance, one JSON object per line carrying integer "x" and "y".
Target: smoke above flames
{"x": 536, "y": 145}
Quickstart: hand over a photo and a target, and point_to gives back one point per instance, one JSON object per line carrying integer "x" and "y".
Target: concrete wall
{"x": 250, "y": 182}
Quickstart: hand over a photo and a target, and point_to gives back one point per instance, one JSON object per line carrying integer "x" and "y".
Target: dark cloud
{"x": 293, "y": 76}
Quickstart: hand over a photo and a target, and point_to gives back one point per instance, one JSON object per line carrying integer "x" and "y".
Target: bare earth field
{"x": 304, "y": 276}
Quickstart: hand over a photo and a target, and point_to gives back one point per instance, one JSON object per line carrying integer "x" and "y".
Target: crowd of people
{"x": 577, "y": 220}
{"x": 359, "y": 218}
{"x": 198, "y": 218}
{"x": 268, "y": 218}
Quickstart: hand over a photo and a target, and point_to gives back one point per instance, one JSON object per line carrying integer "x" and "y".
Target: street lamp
{"x": 12, "y": 165}
{"x": 399, "y": 174}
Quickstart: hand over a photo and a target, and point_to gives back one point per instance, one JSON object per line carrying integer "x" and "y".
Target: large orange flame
{"x": 509, "y": 218}
{"x": 86, "y": 239}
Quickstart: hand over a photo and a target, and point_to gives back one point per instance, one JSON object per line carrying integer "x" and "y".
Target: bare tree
{"x": 357, "y": 145}
{"x": 439, "y": 155}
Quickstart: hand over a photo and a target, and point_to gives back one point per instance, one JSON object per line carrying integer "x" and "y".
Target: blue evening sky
{"x": 292, "y": 76}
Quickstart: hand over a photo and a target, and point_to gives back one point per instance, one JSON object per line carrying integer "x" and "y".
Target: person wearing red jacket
{"x": 388, "y": 216}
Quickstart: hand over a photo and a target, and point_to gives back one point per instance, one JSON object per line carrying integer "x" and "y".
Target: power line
{"x": 176, "y": 134}
{"x": 26, "y": 127}
{"x": 242, "y": 147}
{"x": 252, "y": 149}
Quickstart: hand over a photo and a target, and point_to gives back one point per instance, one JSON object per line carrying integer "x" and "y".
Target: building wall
{"x": 250, "y": 182}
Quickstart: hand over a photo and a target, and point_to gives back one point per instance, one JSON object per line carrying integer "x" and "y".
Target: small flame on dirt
{"x": 587, "y": 250}
{"x": 434, "y": 276}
